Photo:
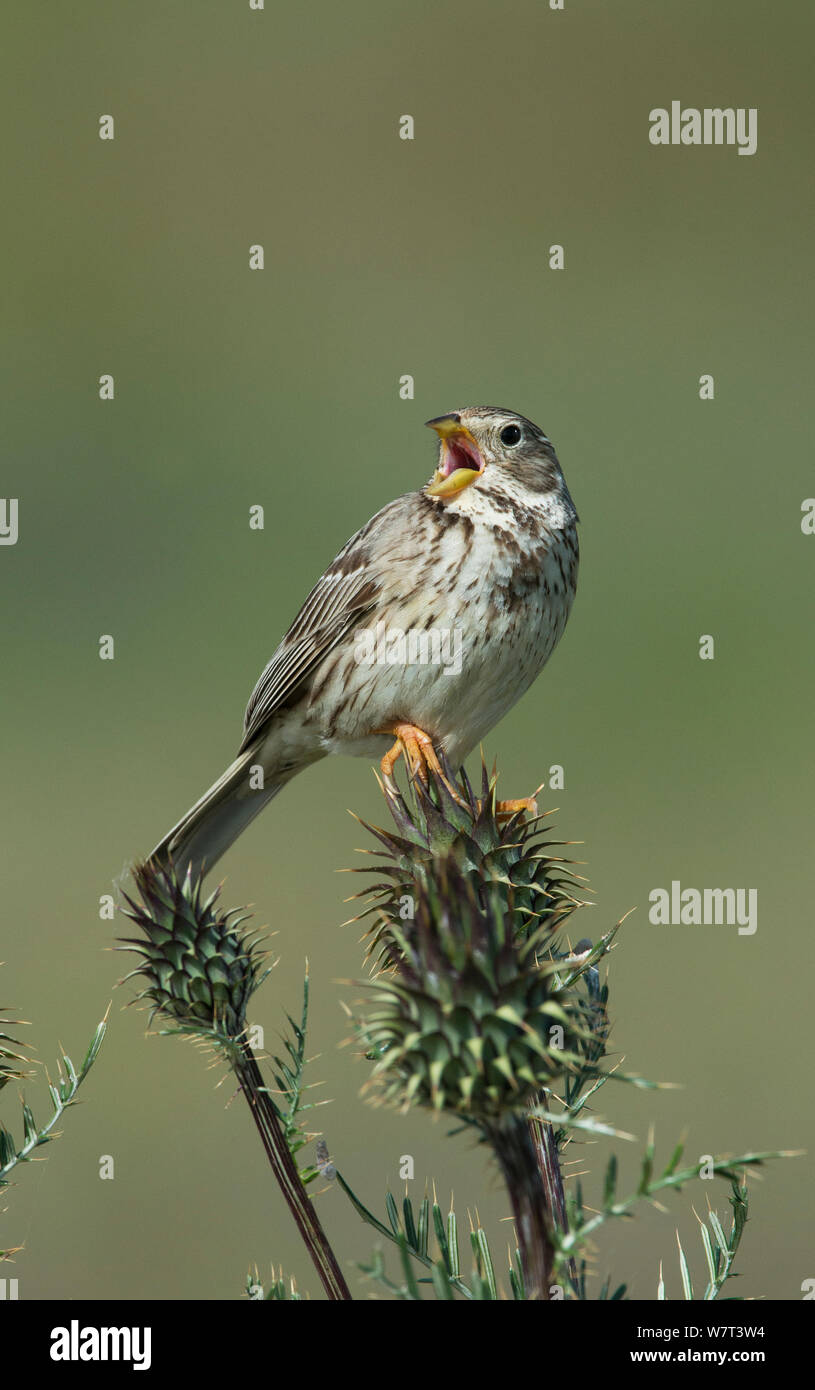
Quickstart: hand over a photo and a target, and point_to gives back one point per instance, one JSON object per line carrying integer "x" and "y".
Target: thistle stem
{"x": 548, "y": 1160}
{"x": 515, "y": 1150}
{"x": 288, "y": 1177}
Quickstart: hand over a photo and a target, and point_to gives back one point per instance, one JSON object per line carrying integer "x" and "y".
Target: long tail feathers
{"x": 215, "y": 822}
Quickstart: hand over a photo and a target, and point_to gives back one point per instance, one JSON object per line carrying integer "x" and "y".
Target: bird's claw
{"x": 420, "y": 757}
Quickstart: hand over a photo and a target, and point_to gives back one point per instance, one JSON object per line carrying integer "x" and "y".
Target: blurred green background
{"x": 233, "y": 388}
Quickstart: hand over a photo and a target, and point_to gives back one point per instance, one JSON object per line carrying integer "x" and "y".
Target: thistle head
{"x": 475, "y": 1008}
{"x": 201, "y": 965}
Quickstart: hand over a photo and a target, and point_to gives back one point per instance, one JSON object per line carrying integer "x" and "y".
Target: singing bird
{"x": 481, "y": 562}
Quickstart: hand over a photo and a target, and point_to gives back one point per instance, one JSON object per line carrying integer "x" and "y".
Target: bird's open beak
{"x": 461, "y": 461}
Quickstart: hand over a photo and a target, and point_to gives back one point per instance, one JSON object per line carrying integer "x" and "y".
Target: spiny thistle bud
{"x": 465, "y": 1021}
{"x": 200, "y": 964}
{"x": 469, "y": 1012}
{"x": 506, "y": 855}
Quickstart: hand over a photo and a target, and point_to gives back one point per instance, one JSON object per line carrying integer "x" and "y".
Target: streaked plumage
{"x": 495, "y": 559}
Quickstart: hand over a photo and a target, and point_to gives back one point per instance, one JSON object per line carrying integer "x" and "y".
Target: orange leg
{"x": 418, "y": 750}
{"x": 419, "y": 754}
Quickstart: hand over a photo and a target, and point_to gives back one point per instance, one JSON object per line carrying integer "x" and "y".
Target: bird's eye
{"x": 510, "y": 435}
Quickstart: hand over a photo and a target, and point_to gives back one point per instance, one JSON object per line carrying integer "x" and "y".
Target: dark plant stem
{"x": 548, "y": 1160}
{"x": 515, "y": 1150}
{"x": 288, "y": 1177}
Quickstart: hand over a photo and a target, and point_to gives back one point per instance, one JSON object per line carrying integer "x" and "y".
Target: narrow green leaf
{"x": 393, "y": 1215}
{"x": 718, "y": 1231}
{"x": 674, "y": 1160}
{"x": 441, "y": 1235}
{"x": 647, "y": 1165}
{"x": 423, "y": 1225}
{"x": 486, "y": 1262}
{"x": 610, "y": 1185}
{"x": 711, "y": 1264}
{"x": 687, "y": 1286}
{"x": 30, "y": 1133}
{"x": 410, "y": 1225}
{"x": 452, "y": 1244}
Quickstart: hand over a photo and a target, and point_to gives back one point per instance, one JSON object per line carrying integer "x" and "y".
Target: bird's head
{"x": 488, "y": 441}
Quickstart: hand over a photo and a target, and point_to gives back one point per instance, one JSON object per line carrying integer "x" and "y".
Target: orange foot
{"x": 505, "y": 809}
{"x": 418, "y": 750}
{"x": 419, "y": 754}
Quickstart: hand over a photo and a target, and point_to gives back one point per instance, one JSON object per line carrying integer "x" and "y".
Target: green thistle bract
{"x": 200, "y": 964}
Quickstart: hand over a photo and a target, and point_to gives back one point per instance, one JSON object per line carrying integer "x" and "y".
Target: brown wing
{"x": 346, "y": 592}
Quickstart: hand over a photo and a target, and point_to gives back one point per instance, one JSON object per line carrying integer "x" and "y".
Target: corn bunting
{"x": 427, "y": 627}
